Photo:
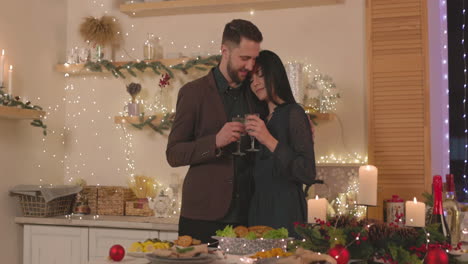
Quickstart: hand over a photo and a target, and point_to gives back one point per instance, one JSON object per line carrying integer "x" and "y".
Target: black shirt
{"x": 235, "y": 104}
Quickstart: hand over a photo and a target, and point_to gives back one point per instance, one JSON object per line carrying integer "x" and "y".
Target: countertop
{"x": 127, "y": 222}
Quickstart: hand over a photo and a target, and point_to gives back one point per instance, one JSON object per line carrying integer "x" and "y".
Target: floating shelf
{"x": 136, "y": 119}
{"x": 76, "y": 69}
{"x": 183, "y": 7}
{"x": 8, "y": 112}
{"x": 323, "y": 116}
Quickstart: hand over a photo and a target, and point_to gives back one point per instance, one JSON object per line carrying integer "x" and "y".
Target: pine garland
{"x": 369, "y": 241}
{"x": 156, "y": 66}
{"x": 8, "y": 100}
{"x": 163, "y": 126}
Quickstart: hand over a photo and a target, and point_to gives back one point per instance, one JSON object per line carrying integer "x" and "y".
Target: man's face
{"x": 241, "y": 59}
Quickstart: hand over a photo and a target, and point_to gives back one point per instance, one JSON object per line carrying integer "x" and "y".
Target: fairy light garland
{"x": 465, "y": 74}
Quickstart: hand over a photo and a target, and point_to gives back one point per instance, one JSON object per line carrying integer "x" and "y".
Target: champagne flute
{"x": 238, "y": 151}
{"x": 252, "y": 138}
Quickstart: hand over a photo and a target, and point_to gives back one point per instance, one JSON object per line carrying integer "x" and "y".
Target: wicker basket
{"x": 37, "y": 207}
{"x": 111, "y": 199}
{"x": 138, "y": 208}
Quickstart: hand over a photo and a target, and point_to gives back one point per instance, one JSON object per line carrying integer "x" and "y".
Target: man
{"x": 218, "y": 185}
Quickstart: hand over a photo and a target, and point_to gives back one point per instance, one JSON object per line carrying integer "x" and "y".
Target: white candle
{"x": 10, "y": 80}
{"x": 367, "y": 185}
{"x": 316, "y": 209}
{"x": 2, "y": 65}
{"x": 415, "y": 213}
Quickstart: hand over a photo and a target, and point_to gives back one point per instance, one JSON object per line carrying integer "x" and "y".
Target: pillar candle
{"x": 367, "y": 185}
{"x": 2, "y": 65}
{"x": 10, "y": 80}
{"x": 316, "y": 209}
{"x": 415, "y": 213}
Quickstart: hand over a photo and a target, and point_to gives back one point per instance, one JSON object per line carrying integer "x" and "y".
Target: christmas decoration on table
{"x": 371, "y": 241}
{"x": 340, "y": 253}
{"x": 116, "y": 253}
{"x": 157, "y": 67}
{"x": 10, "y": 101}
{"x": 321, "y": 93}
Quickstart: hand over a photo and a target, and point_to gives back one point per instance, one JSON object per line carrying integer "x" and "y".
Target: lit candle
{"x": 415, "y": 213}
{"x": 316, "y": 209}
{"x": 367, "y": 185}
{"x": 2, "y": 64}
{"x": 10, "y": 80}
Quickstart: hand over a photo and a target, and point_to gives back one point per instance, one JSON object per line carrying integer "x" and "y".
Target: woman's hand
{"x": 257, "y": 128}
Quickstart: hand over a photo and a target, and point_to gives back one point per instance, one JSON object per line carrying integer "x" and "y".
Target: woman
{"x": 286, "y": 158}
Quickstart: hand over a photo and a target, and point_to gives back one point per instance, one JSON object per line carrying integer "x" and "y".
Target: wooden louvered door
{"x": 398, "y": 98}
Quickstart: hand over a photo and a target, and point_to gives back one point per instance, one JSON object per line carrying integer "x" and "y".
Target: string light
{"x": 465, "y": 189}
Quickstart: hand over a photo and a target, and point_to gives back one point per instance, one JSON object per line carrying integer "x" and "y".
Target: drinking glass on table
{"x": 241, "y": 120}
{"x": 252, "y": 138}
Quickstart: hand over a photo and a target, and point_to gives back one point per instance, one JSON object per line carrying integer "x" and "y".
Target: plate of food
{"x": 140, "y": 249}
{"x": 185, "y": 250}
{"x": 243, "y": 240}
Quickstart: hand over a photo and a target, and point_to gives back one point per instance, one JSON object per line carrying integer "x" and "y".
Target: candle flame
{"x": 316, "y": 197}
{"x": 3, "y": 52}
{"x": 414, "y": 200}
{"x": 11, "y": 67}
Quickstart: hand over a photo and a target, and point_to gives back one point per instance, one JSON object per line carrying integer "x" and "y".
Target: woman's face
{"x": 258, "y": 85}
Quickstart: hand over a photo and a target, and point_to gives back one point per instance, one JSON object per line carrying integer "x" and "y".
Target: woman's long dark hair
{"x": 276, "y": 79}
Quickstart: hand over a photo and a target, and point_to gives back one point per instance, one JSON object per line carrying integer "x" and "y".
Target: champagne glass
{"x": 252, "y": 138}
{"x": 241, "y": 120}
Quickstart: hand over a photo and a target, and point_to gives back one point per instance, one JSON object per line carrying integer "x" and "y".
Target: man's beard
{"x": 233, "y": 74}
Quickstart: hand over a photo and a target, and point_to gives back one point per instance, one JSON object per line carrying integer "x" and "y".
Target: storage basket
{"x": 36, "y": 205}
{"x": 138, "y": 208}
{"x": 111, "y": 199}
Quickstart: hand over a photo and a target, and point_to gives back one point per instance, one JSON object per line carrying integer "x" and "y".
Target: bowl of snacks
{"x": 243, "y": 240}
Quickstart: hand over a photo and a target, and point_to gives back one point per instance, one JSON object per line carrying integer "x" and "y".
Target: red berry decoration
{"x": 340, "y": 253}
{"x": 436, "y": 256}
{"x": 116, "y": 253}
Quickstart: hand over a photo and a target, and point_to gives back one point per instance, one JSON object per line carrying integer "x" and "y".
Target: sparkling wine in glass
{"x": 252, "y": 138}
{"x": 238, "y": 152}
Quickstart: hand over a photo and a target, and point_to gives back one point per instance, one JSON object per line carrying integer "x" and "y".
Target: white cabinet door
{"x": 168, "y": 235}
{"x": 52, "y": 244}
{"x": 102, "y": 239}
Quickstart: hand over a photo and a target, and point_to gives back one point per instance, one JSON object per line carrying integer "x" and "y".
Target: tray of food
{"x": 243, "y": 240}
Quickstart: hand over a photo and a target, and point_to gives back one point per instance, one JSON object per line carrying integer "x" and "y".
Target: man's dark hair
{"x": 239, "y": 28}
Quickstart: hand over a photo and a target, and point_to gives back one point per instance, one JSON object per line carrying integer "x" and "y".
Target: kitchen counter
{"x": 105, "y": 221}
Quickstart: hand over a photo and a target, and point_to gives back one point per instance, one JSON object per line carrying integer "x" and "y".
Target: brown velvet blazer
{"x": 208, "y": 185}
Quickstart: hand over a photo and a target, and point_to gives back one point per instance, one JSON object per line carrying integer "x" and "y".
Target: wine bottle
{"x": 452, "y": 210}
{"x": 438, "y": 210}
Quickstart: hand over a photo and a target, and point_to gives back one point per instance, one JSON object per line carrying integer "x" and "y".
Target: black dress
{"x": 279, "y": 199}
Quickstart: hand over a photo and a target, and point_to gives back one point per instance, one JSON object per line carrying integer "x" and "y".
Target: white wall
{"x": 440, "y": 158}
{"x": 330, "y": 37}
{"x": 33, "y": 36}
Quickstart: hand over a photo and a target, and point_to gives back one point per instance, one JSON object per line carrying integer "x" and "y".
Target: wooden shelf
{"x": 7, "y": 112}
{"x": 323, "y": 116}
{"x": 136, "y": 119}
{"x": 182, "y": 7}
{"x": 80, "y": 69}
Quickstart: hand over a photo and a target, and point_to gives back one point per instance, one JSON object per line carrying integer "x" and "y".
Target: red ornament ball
{"x": 116, "y": 253}
{"x": 436, "y": 256}
{"x": 340, "y": 253}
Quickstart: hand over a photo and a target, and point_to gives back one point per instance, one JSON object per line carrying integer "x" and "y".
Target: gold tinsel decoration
{"x": 101, "y": 31}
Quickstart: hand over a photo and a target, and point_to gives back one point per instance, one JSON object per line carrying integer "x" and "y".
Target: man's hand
{"x": 230, "y": 132}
